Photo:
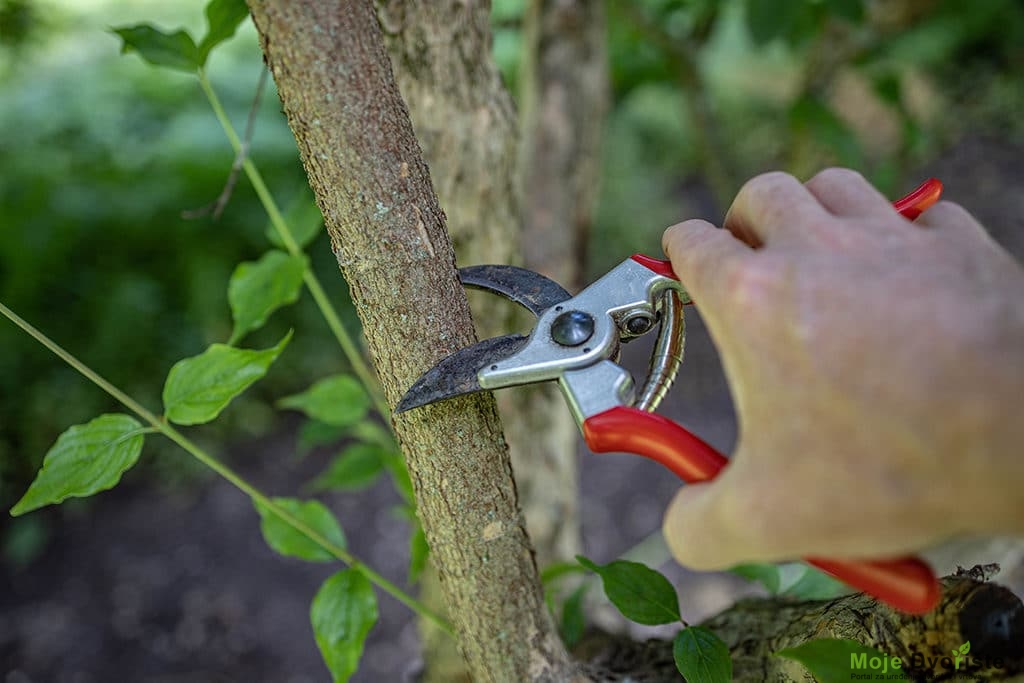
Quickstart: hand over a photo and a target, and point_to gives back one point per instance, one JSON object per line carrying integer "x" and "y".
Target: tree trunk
{"x": 464, "y": 118}
{"x": 564, "y": 99}
{"x": 388, "y": 234}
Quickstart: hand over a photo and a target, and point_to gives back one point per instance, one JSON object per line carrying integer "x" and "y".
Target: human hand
{"x": 875, "y": 365}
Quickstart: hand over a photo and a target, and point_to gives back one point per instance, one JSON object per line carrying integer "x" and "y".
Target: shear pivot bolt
{"x": 572, "y": 328}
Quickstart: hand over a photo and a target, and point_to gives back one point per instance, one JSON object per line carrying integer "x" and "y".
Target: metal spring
{"x": 667, "y": 355}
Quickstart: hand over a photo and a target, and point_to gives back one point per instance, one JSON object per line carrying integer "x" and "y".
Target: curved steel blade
{"x": 457, "y": 374}
{"x": 527, "y": 288}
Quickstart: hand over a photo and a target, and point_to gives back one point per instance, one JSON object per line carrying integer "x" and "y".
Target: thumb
{"x": 709, "y": 526}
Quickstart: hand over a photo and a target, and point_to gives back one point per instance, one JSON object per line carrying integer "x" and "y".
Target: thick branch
{"x": 986, "y": 614}
{"x": 388, "y": 233}
{"x": 464, "y": 119}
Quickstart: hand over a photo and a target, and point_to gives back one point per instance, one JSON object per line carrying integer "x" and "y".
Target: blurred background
{"x": 166, "y": 578}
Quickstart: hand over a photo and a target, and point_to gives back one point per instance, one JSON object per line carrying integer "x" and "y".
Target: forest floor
{"x": 158, "y": 584}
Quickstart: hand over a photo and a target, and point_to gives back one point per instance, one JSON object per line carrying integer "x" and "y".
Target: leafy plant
{"x": 645, "y": 596}
{"x": 92, "y": 457}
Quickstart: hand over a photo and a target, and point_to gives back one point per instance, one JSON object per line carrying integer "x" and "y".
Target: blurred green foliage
{"x": 101, "y": 154}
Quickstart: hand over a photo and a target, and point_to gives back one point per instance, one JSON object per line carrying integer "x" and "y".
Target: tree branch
{"x": 986, "y": 614}
{"x": 388, "y": 234}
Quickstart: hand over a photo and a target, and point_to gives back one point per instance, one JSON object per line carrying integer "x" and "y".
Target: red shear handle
{"x": 907, "y": 584}
{"x": 922, "y": 198}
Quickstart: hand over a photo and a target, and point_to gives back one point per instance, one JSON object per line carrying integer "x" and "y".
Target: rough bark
{"x": 987, "y": 615}
{"x": 563, "y": 100}
{"x": 465, "y": 121}
{"x": 388, "y": 234}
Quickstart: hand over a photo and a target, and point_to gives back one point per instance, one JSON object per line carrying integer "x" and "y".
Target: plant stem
{"x": 330, "y": 314}
{"x": 160, "y": 424}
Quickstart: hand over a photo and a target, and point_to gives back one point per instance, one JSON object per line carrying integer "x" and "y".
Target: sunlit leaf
{"x": 222, "y": 19}
{"x": 640, "y": 593}
{"x": 337, "y": 400}
{"x": 289, "y": 541}
{"x": 258, "y": 288}
{"x": 343, "y": 612}
{"x": 85, "y": 460}
{"x": 199, "y": 388}
{"x": 174, "y": 50}
{"x": 832, "y": 660}
{"x": 701, "y": 656}
{"x": 765, "y": 574}
{"x": 356, "y": 467}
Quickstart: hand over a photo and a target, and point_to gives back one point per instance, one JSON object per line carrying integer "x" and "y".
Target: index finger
{"x": 703, "y": 256}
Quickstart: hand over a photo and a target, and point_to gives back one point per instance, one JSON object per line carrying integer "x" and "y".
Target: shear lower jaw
{"x": 596, "y": 389}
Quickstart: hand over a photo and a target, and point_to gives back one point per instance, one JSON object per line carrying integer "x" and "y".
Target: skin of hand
{"x": 875, "y": 365}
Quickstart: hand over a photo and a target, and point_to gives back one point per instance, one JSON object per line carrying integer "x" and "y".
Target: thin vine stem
{"x": 330, "y": 314}
{"x": 159, "y": 424}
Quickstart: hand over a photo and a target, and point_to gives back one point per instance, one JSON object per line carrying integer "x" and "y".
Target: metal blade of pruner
{"x": 457, "y": 374}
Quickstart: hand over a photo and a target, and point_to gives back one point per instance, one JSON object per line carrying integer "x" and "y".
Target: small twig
{"x": 217, "y": 206}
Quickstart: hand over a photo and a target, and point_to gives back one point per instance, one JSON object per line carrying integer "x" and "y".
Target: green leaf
{"x": 199, "y": 388}
{"x": 86, "y": 459}
{"x": 851, "y": 10}
{"x": 812, "y": 117}
{"x": 832, "y": 660}
{"x": 770, "y": 19}
{"x": 557, "y": 570}
{"x": 258, "y": 288}
{"x": 573, "y": 624}
{"x": 356, "y": 467}
{"x": 315, "y": 433}
{"x": 701, "y": 656}
{"x": 174, "y": 50}
{"x": 965, "y": 648}
{"x": 338, "y": 400}
{"x": 640, "y": 593}
{"x": 889, "y": 87}
{"x": 343, "y": 612}
{"x": 375, "y": 433}
{"x": 419, "y": 551}
{"x": 303, "y": 219}
{"x": 288, "y": 541}
{"x": 816, "y": 585}
{"x": 765, "y": 574}
{"x": 222, "y": 18}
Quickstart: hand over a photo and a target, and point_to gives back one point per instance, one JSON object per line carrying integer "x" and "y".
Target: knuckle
{"x": 837, "y": 175}
{"x": 766, "y": 184}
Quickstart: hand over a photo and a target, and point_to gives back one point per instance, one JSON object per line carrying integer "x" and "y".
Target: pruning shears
{"x": 576, "y": 342}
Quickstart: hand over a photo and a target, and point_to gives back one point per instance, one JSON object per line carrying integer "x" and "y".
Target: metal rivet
{"x": 572, "y": 328}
